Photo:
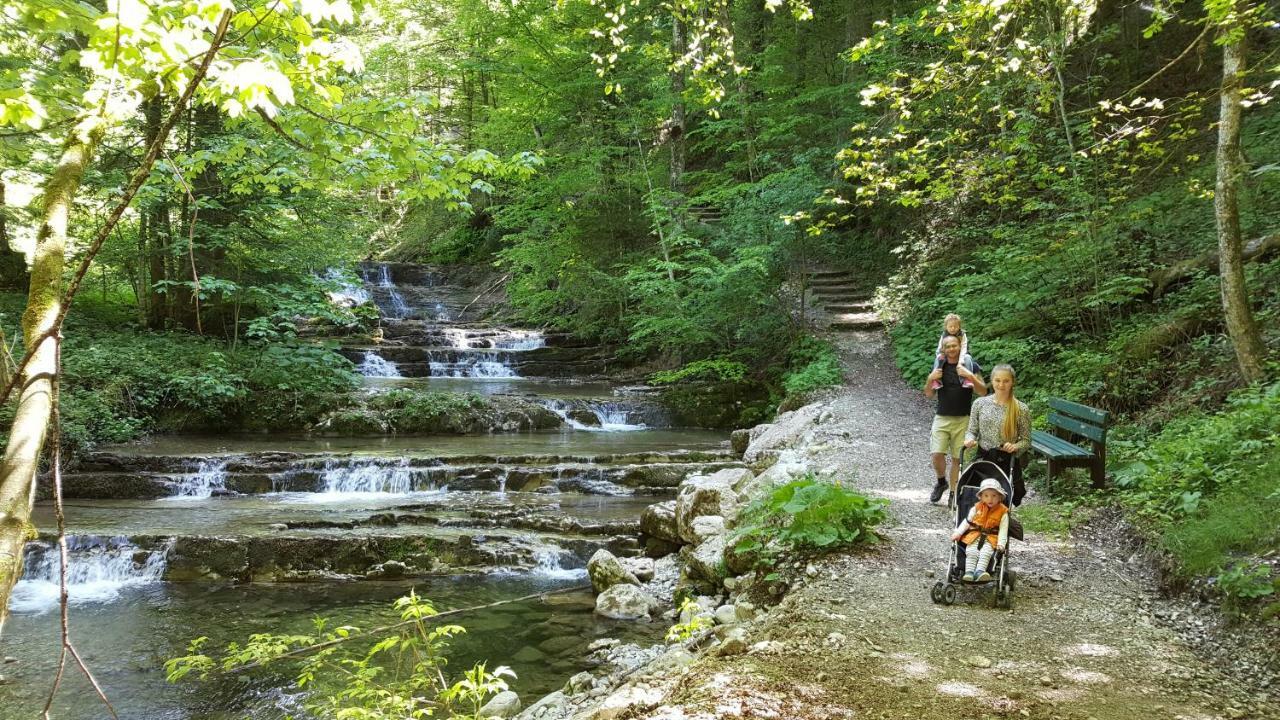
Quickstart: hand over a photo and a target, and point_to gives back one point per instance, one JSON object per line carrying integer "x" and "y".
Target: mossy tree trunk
{"x": 1241, "y": 326}
{"x": 44, "y": 301}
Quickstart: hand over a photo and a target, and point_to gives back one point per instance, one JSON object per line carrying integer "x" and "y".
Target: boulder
{"x": 583, "y": 416}
{"x": 625, "y": 602}
{"x": 641, "y": 567}
{"x": 739, "y": 440}
{"x": 726, "y": 615}
{"x": 707, "y": 527}
{"x": 789, "y": 466}
{"x": 626, "y": 701}
{"x": 659, "y": 521}
{"x": 704, "y": 495}
{"x": 505, "y": 704}
{"x": 655, "y": 548}
{"x": 734, "y": 642}
{"x": 606, "y": 571}
{"x": 785, "y": 431}
{"x": 579, "y": 683}
{"x": 706, "y": 561}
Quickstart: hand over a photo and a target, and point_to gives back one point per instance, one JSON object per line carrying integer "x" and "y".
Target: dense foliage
{"x": 399, "y": 673}
{"x": 806, "y": 517}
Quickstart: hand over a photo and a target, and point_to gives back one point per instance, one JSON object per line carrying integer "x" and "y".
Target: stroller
{"x": 1003, "y": 578}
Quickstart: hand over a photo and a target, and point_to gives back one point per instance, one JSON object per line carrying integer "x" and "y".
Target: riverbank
{"x": 856, "y": 635}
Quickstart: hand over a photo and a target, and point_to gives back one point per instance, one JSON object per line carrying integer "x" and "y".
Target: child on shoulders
{"x": 952, "y": 325}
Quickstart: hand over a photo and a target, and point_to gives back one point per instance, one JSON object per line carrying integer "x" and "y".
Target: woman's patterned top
{"x": 986, "y": 418}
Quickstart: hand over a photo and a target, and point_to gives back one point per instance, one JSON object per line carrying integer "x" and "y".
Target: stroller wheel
{"x": 935, "y": 592}
{"x": 1010, "y": 579}
{"x": 948, "y": 594}
{"x": 1004, "y": 598}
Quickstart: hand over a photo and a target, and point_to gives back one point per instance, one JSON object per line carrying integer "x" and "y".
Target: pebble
{"x": 10, "y": 659}
{"x": 979, "y": 661}
{"x": 1046, "y": 680}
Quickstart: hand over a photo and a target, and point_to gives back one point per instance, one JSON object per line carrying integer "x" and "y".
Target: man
{"x": 951, "y": 420}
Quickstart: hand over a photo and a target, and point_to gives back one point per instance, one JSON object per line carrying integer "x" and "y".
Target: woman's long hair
{"x": 1010, "y": 427}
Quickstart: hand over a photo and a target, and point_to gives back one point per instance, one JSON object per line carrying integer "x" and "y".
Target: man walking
{"x": 951, "y": 419}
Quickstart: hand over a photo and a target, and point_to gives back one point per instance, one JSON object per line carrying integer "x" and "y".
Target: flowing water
{"x": 230, "y": 535}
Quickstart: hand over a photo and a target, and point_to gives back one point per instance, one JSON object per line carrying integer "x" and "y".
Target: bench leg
{"x": 1098, "y": 471}
{"x": 1048, "y": 481}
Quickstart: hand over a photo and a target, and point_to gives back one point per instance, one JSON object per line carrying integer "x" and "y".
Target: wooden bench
{"x": 1069, "y": 422}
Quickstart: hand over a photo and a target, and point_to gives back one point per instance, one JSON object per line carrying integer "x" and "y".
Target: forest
{"x": 1092, "y": 185}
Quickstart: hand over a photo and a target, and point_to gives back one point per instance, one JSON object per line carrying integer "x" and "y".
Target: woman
{"x": 1000, "y": 426}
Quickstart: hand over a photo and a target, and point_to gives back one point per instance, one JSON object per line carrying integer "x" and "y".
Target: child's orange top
{"x": 986, "y": 522}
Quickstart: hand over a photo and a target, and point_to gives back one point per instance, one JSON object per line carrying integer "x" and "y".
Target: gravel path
{"x": 862, "y": 638}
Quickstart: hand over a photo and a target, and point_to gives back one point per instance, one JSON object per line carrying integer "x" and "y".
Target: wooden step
{"x": 841, "y": 295}
{"x": 861, "y": 324}
{"x": 831, "y": 282}
{"x": 857, "y": 307}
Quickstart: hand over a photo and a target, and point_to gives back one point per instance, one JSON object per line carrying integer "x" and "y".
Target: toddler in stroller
{"x": 979, "y": 544}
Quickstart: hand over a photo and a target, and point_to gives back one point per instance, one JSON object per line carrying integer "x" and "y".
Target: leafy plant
{"x": 397, "y": 676}
{"x": 1243, "y": 584}
{"x": 698, "y": 620}
{"x": 806, "y": 516}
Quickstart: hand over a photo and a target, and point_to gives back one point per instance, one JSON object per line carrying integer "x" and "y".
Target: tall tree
{"x": 1250, "y": 353}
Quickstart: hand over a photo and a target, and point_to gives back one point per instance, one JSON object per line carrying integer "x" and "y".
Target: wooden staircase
{"x": 844, "y": 301}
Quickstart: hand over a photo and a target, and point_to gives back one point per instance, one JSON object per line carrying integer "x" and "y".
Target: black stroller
{"x": 1003, "y": 578}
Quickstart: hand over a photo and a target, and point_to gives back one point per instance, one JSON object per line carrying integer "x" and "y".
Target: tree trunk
{"x": 679, "y": 46}
{"x": 158, "y": 230}
{"x": 1235, "y": 298}
{"x": 13, "y": 266}
{"x": 44, "y": 301}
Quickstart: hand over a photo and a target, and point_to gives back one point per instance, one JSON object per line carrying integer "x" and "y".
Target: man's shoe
{"x": 938, "y": 489}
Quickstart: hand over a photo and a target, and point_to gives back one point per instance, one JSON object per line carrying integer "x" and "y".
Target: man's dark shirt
{"x": 953, "y": 398}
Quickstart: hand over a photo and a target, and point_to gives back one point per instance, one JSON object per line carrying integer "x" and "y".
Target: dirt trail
{"x": 862, "y": 639}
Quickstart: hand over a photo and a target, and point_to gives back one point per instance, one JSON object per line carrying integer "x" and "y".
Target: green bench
{"x": 1068, "y": 422}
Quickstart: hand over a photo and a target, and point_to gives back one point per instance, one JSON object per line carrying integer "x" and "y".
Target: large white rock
{"x": 626, "y": 700}
{"x": 606, "y": 571}
{"x": 701, "y": 495}
{"x": 789, "y": 466}
{"x": 706, "y": 527}
{"x": 625, "y": 602}
{"x": 784, "y": 432}
{"x": 707, "y": 560}
{"x": 641, "y": 567}
{"x": 505, "y": 704}
{"x": 659, "y": 521}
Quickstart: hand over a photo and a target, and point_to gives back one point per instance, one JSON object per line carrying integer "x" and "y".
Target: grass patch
{"x": 1052, "y": 519}
{"x": 1240, "y": 520}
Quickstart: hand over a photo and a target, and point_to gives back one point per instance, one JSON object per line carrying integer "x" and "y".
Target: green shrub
{"x": 1242, "y": 584}
{"x": 804, "y": 517}
{"x": 815, "y": 366}
{"x": 1196, "y": 456}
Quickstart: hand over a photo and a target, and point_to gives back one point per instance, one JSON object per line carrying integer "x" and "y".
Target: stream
{"x": 224, "y": 536}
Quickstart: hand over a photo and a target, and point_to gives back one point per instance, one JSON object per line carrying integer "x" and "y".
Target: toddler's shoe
{"x": 965, "y": 383}
{"x": 968, "y": 577}
{"x": 936, "y": 385}
{"x": 984, "y": 577}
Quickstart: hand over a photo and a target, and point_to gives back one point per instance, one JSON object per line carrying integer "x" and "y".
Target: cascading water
{"x": 398, "y": 309}
{"x": 611, "y": 416}
{"x": 374, "y": 365}
{"x": 210, "y": 477}
{"x": 348, "y": 294}
{"x": 520, "y": 340}
{"x": 478, "y": 365}
{"x": 98, "y": 569}
{"x": 367, "y": 476}
{"x": 549, "y": 563}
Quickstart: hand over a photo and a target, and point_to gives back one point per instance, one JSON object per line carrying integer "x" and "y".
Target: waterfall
{"x": 210, "y": 477}
{"x": 548, "y": 563}
{"x": 481, "y": 365}
{"x": 98, "y": 569}
{"x": 521, "y": 340}
{"x": 348, "y": 293}
{"x": 367, "y": 476}
{"x": 612, "y": 416}
{"x": 374, "y": 365}
{"x": 399, "y": 308}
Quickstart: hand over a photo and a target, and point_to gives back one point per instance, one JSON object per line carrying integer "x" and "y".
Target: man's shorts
{"x": 947, "y": 434}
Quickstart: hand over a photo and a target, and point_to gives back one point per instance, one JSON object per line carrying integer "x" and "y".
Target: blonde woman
{"x": 1000, "y": 427}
